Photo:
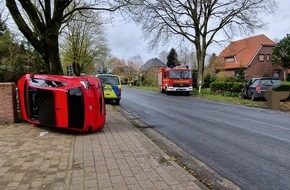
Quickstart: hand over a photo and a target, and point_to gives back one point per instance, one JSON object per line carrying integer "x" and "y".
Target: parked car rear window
{"x": 270, "y": 82}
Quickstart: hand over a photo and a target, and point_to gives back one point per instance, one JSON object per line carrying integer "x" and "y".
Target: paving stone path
{"x": 117, "y": 157}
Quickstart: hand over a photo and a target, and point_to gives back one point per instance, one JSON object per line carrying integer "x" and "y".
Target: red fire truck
{"x": 176, "y": 79}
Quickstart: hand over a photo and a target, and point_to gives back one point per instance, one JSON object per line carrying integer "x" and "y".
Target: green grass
{"x": 205, "y": 94}
{"x": 151, "y": 88}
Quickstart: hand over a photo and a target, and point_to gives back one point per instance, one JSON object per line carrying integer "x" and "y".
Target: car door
{"x": 247, "y": 89}
{"x": 252, "y": 87}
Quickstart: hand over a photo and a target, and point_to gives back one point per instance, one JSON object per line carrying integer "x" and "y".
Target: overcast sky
{"x": 126, "y": 39}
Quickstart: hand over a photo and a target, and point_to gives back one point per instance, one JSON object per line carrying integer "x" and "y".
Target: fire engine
{"x": 176, "y": 79}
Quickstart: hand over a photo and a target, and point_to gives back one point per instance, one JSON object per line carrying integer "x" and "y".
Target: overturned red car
{"x": 74, "y": 103}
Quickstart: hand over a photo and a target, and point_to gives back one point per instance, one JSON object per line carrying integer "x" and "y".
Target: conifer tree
{"x": 172, "y": 58}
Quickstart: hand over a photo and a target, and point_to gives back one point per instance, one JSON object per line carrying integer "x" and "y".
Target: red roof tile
{"x": 243, "y": 51}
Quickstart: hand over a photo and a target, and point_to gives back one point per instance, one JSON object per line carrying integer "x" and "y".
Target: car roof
{"x": 265, "y": 78}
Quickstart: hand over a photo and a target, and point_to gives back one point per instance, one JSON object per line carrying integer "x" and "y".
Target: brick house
{"x": 149, "y": 71}
{"x": 252, "y": 55}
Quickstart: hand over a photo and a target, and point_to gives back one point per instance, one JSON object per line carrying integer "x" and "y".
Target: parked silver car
{"x": 256, "y": 87}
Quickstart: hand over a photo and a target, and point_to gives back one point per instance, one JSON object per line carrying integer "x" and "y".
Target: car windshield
{"x": 180, "y": 74}
{"x": 270, "y": 82}
{"x": 110, "y": 80}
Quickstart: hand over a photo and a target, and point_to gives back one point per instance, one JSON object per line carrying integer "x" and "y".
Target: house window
{"x": 230, "y": 59}
{"x": 261, "y": 57}
{"x": 276, "y": 74}
{"x": 268, "y": 57}
{"x": 240, "y": 73}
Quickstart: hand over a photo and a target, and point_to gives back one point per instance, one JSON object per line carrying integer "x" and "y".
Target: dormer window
{"x": 230, "y": 59}
{"x": 261, "y": 57}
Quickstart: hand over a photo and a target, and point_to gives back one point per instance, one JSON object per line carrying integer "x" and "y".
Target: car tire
{"x": 166, "y": 92}
{"x": 117, "y": 102}
{"x": 253, "y": 98}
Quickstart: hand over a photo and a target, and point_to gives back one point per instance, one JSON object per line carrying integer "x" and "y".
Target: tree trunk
{"x": 55, "y": 63}
{"x": 200, "y": 73}
{"x": 200, "y": 63}
{"x": 51, "y": 53}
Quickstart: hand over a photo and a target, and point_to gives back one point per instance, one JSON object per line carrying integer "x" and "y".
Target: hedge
{"x": 227, "y": 88}
{"x": 283, "y": 88}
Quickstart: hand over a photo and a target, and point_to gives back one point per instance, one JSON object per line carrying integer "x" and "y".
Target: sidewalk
{"x": 118, "y": 157}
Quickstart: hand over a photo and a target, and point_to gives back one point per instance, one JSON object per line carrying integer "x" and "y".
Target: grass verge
{"x": 206, "y": 94}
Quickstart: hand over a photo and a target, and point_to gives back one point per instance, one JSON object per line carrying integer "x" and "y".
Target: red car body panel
{"x": 75, "y": 103}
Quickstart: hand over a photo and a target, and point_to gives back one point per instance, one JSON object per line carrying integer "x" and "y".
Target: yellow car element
{"x": 111, "y": 87}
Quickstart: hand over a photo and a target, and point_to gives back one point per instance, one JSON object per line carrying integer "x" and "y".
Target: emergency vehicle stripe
{"x": 116, "y": 90}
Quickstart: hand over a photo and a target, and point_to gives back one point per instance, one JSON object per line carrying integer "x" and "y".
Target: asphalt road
{"x": 249, "y": 146}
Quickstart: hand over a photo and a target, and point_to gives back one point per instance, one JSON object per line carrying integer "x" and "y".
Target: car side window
{"x": 255, "y": 83}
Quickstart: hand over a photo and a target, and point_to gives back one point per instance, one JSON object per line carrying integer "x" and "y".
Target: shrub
{"x": 232, "y": 89}
{"x": 283, "y": 88}
{"x": 229, "y": 79}
{"x": 288, "y": 77}
{"x": 208, "y": 79}
{"x": 136, "y": 82}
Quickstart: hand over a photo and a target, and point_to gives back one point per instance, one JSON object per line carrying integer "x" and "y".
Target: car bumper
{"x": 259, "y": 94}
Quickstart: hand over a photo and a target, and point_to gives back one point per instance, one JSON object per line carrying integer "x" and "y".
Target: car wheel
{"x": 166, "y": 92}
{"x": 253, "y": 98}
{"x": 117, "y": 102}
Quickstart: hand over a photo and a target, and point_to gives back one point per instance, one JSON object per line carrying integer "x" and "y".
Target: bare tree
{"x": 137, "y": 60}
{"x": 41, "y": 22}
{"x": 103, "y": 58}
{"x": 127, "y": 70}
{"x": 163, "y": 56}
{"x": 187, "y": 56}
{"x": 84, "y": 42}
{"x": 118, "y": 67}
{"x": 199, "y": 21}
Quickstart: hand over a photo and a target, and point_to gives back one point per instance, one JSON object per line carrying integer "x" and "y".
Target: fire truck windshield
{"x": 180, "y": 74}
